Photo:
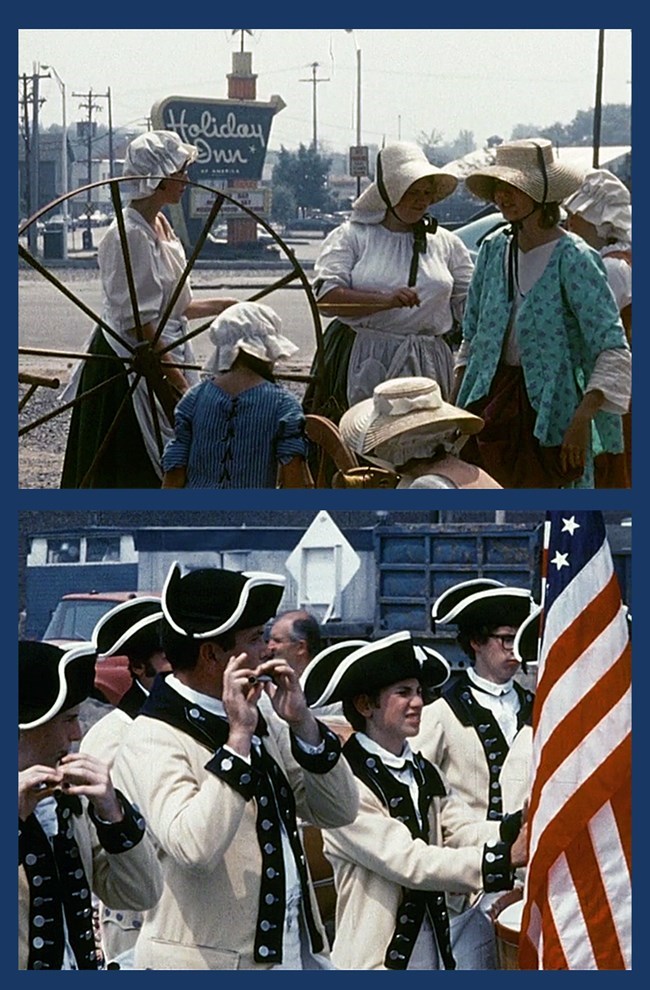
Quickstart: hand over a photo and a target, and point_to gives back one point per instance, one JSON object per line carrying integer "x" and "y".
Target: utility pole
{"x": 30, "y": 95}
{"x": 598, "y": 105}
{"x": 314, "y": 81}
{"x": 90, "y": 107}
{"x": 107, "y": 96}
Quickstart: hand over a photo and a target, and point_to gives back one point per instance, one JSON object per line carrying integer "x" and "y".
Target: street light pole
{"x": 358, "y": 51}
{"x": 64, "y": 156}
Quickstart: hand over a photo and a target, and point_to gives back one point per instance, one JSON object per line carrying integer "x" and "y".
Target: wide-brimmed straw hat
{"x": 210, "y": 601}
{"x": 51, "y": 680}
{"x": 250, "y": 327}
{"x": 402, "y": 407}
{"x": 399, "y": 165}
{"x": 528, "y": 165}
{"x": 134, "y": 622}
{"x": 482, "y": 601}
{"x": 604, "y": 201}
{"x": 151, "y": 157}
{"x": 377, "y": 665}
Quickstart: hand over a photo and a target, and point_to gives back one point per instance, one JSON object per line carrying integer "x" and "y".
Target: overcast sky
{"x": 412, "y": 81}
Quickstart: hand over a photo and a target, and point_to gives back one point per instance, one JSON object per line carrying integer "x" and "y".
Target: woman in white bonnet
{"x": 128, "y": 456}
{"x": 239, "y": 428}
{"x": 395, "y": 282}
{"x": 601, "y": 213}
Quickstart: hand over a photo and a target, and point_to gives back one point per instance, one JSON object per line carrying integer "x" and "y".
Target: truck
{"x": 361, "y": 581}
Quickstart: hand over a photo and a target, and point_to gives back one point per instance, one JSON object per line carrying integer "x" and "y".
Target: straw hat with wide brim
{"x": 400, "y": 407}
{"x": 528, "y": 165}
{"x": 401, "y": 164}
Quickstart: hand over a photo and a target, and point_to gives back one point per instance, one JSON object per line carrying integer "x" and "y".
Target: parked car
{"x": 72, "y": 623}
{"x": 473, "y": 232}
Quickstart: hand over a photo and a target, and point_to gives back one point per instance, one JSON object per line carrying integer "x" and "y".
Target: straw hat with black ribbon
{"x": 529, "y": 165}
{"x": 398, "y": 166}
{"x": 52, "y": 680}
{"x": 207, "y": 602}
{"x": 374, "y": 666}
{"x": 404, "y": 418}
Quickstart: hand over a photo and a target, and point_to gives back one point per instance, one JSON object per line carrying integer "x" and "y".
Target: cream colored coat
{"x": 206, "y": 918}
{"x": 456, "y": 749}
{"x": 130, "y": 878}
{"x": 375, "y": 857}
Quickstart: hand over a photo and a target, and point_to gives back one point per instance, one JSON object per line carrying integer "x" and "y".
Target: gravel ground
{"x": 41, "y": 450}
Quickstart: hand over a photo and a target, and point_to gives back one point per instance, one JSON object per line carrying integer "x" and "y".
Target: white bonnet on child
{"x": 250, "y": 327}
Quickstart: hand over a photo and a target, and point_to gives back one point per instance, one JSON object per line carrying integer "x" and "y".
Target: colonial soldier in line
{"x": 223, "y": 785}
{"x": 413, "y": 839}
{"x": 133, "y": 629}
{"x": 77, "y": 834}
{"x": 479, "y": 732}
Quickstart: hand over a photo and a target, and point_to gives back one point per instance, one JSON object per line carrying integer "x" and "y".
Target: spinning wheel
{"x": 142, "y": 362}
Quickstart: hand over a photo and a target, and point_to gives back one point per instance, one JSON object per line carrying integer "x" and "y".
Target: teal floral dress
{"x": 566, "y": 320}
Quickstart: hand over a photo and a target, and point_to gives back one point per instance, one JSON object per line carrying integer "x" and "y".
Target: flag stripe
{"x": 577, "y": 896}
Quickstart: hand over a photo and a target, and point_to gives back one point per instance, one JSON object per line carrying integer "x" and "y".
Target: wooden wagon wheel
{"x": 143, "y": 362}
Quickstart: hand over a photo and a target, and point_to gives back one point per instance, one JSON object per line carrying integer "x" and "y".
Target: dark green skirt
{"x": 331, "y": 388}
{"x": 125, "y": 462}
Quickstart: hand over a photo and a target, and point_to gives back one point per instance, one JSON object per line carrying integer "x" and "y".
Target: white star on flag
{"x": 570, "y": 525}
{"x": 560, "y": 560}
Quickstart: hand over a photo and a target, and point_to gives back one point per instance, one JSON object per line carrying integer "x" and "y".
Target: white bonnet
{"x": 402, "y": 164}
{"x": 604, "y": 201}
{"x": 250, "y": 327}
{"x": 151, "y": 157}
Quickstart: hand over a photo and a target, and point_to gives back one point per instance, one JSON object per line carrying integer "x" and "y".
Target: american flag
{"x": 577, "y": 895}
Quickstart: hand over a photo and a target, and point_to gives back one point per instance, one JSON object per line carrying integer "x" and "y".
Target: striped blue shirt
{"x": 235, "y": 441}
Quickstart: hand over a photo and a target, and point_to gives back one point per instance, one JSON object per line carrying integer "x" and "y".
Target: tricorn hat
{"x": 320, "y": 668}
{"x": 384, "y": 662}
{"x": 482, "y": 601}
{"x": 526, "y": 645}
{"x": 51, "y": 680}
{"x": 531, "y": 166}
{"x": 209, "y": 601}
{"x": 126, "y": 624}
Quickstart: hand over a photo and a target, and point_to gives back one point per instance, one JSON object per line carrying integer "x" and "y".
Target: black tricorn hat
{"x": 482, "y": 601}
{"x": 316, "y": 675}
{"x": 51, "y": 680}
{"x": 129, "y": 623}
{"x": 377, "y": 665}
{"x": 209, "y": 601}
{"x": 526, "y": 645}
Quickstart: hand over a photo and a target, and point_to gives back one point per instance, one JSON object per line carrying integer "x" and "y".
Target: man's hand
{"x": 288, "y": 699}
{"x": 34, "y": 784}
{"x": 84, "y": 774}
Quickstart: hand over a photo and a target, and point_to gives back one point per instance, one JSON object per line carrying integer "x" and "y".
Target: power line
{"x": 314, "y": 81}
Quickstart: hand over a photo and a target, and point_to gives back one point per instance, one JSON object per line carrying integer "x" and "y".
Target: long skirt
{"x": 124, "y": 463}
{"x": 506, "y": 446}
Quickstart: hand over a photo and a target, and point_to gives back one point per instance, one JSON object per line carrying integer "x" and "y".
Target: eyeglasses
{"x": 507, "y": 642}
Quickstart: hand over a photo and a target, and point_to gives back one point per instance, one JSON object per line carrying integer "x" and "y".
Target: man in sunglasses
{"x": 479, "y": 731}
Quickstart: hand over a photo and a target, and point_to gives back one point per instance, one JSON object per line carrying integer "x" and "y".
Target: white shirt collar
{"x": 498, "y": 690}
{"x": 388, "y": 759}
{"x": 212, "y": 705}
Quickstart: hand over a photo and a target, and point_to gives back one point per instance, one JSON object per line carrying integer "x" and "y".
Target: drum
{"x": 507, "y": 927}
